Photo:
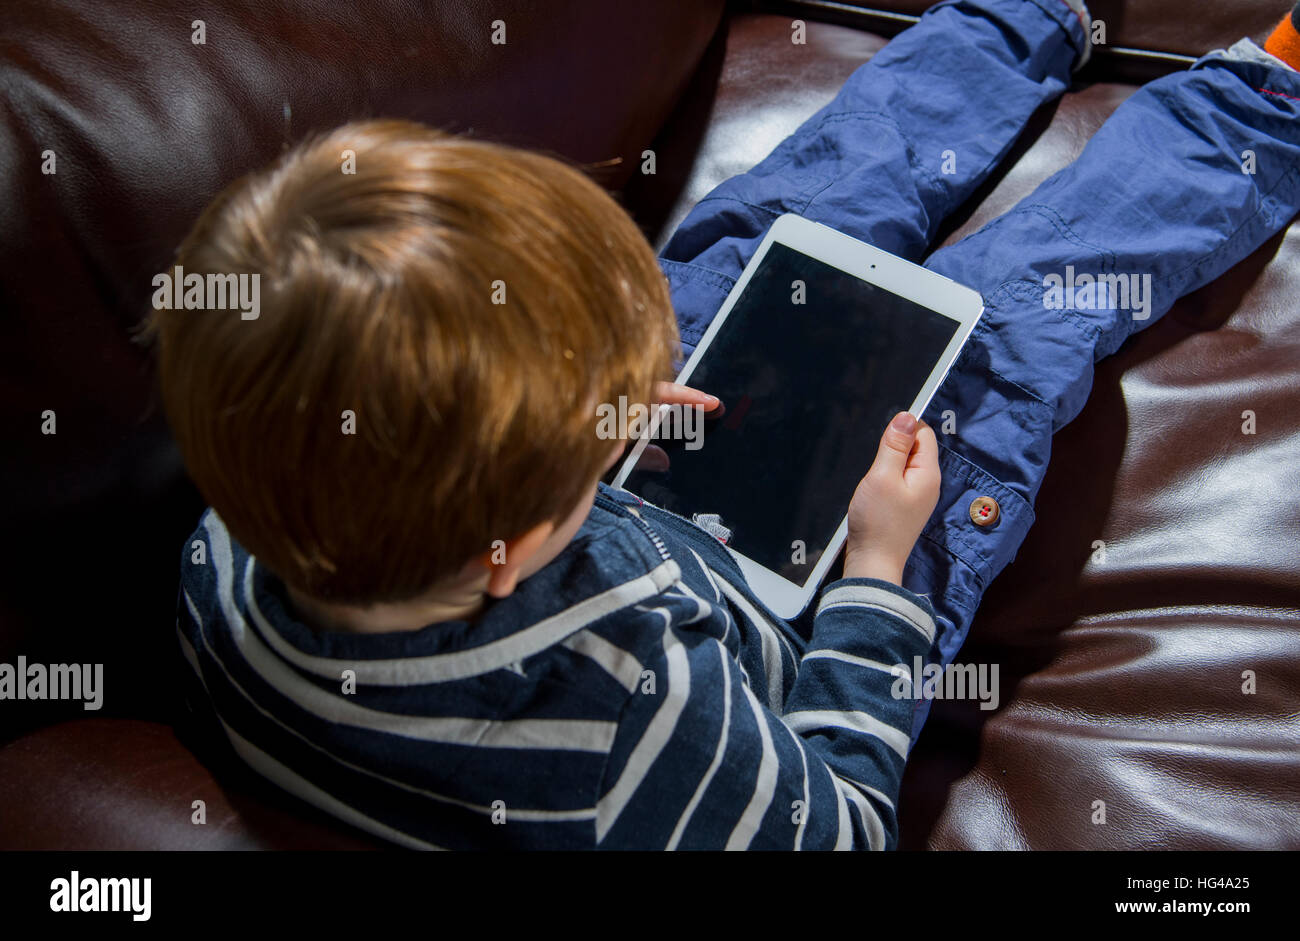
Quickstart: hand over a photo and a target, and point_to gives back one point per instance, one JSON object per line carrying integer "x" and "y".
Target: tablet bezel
{"x": 896, "y": 275}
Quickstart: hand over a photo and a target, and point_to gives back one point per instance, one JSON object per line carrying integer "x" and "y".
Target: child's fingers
{"x": 674, "y": 393}
{"x": 925, "y": 452}
{"x": 653, "y": 459}
{"x": 895, "y": 445}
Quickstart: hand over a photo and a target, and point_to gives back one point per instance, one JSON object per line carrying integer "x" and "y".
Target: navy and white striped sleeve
{"x": 699, "y": 762}
{"x": 865, "y": 638}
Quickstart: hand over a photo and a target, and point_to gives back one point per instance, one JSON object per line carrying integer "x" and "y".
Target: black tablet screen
{"x": 807, "y": 390}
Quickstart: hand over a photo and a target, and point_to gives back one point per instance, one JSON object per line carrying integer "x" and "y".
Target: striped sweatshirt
{"x": 633, "y": 694}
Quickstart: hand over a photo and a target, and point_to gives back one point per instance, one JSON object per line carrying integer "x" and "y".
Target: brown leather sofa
{"x": 1121, "y": 680}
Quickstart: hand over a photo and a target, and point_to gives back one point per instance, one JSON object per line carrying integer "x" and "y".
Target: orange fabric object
{"x": 1284, "y": 42}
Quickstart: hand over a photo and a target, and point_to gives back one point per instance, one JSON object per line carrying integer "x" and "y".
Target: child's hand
{"x": 893, "y": 502}
{"x": 674, "y": 393}
{"x": 654, "y": 458}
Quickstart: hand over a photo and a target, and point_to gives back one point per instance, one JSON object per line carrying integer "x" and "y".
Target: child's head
{"x": 439, "y": 318}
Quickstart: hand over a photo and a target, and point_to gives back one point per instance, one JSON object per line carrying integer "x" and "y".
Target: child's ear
{"x": 504, "y": 564}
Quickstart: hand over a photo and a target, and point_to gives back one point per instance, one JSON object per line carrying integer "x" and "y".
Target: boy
{"x": 412, "y": 604}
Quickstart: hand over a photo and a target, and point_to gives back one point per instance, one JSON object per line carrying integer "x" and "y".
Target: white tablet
{"x": 821, "y": 342}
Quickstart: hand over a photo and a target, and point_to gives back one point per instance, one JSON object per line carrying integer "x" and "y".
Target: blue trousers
{"x": 1189, "y": 176}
